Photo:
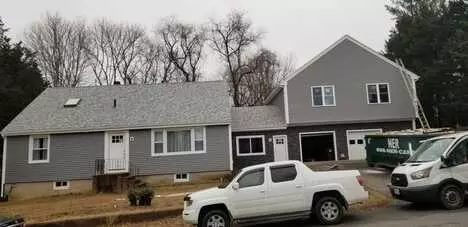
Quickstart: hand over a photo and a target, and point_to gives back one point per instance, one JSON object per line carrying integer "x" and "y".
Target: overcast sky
{"x": 302, "y": 28}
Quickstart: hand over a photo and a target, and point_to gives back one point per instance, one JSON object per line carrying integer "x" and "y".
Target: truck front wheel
{"x": 452, "y": 197}
{"x": 329, "y": 210}
{"x": 215, "y": 218}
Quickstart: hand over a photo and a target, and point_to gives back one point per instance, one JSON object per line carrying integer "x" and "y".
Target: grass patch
{"x": 89, "y": 204}
{"x": 175, "y": 221}
{"x": 375, "y": 200}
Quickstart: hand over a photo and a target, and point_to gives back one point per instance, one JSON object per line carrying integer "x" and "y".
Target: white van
{"x": 436, "y": 172}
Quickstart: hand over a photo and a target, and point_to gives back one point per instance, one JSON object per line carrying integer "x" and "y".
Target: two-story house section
{"x": 328, "y": 105}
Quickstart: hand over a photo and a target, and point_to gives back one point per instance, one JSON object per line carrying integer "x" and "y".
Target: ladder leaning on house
{"x": 410, "y": 85}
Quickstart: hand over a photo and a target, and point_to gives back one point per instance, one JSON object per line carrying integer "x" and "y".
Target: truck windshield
{"x": 430, "y": 150}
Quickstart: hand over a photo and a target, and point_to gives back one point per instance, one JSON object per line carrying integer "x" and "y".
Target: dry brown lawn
{"x": 81, "y": 205}
{"x": 165, "y": 222}
{"x": 78, "y": 205}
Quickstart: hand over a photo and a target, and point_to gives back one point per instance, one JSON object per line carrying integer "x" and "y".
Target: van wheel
{"x": 452, "y": 197}
{"x": 215, "y": 218}
{"x": 329, "y": 211}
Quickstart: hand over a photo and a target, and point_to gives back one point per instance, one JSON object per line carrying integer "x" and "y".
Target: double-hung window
{"x": 378, "y": 93}
{"x": 323, "y": 95}
{"x": 174, "y": 141}
{"x": 250, "y": 145}
{"x": 39, "y": 147}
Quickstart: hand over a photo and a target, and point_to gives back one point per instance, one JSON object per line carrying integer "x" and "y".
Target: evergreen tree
{"x": 20, "y": 78}
{"x": 430, "y": 36}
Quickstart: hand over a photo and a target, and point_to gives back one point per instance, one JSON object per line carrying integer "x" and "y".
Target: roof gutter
{"x": 258, "y": 129}
{"x": 57, "y": 131}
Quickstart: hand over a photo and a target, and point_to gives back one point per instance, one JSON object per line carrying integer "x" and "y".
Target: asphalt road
{"x": 398, "y": 214}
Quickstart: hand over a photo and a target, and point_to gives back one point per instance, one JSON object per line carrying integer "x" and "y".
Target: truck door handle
{"x": 262, "y": 191}
{"x": 298, "y": 186}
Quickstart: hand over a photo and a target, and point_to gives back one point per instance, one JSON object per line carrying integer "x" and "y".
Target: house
{"x": 167, "y": 132}
{"x": 323, "y": 110}
{"x": 68, "y": 138}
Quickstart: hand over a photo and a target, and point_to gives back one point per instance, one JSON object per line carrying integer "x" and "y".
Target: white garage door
{"x": 356, "y": 143}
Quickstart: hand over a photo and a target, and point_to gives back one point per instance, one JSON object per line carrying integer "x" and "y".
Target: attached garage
{"x": 318, "y": 146}
{"x": 356, "y": 143}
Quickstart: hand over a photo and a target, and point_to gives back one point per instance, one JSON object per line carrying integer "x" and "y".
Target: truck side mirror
{"x": 235, "y": 186}
{"x": 445, "y": 161}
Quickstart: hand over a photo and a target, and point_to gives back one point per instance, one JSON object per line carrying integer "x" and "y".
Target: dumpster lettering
{"x": 392, "y": 151}
{"x": 393, "y": 147}
{"x": 393, "y": 143}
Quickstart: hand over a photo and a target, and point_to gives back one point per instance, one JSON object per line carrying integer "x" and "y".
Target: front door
{"x": 356, "y": 143}
{"x": 116, "y": 160}
{"x": 280, "y": 148}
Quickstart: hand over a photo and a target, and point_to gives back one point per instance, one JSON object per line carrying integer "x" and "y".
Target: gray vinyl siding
{"x": 72, "y": 156}
{"x": 278, "y": 101}
{"x": 349, "y": 68}
{"x": 216, "y": 157}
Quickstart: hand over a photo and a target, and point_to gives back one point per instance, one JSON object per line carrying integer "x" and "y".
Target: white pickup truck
{"x": 276, "y": 191}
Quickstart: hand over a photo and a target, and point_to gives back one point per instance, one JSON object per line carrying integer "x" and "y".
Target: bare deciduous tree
{"x": 60, "y": 46}
{"x": 150, "y": 63}
{"x": 182, "y": 45}
{"x": 116, "y": 52}
{"x": 232, "y": 39}
{"x": 267, "y": 72}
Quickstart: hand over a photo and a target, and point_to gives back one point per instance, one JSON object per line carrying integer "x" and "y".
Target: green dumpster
{"x": 391, "y": 150}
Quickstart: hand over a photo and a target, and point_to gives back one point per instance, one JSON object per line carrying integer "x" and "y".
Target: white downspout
{"x": 231, "y": 163}
{"x": 286, "y": 103}
{"x": 2, "y": 188}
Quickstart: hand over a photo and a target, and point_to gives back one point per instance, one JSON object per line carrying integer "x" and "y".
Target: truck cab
{"x": 436, "y": 172}
{"x": 273, "y": 192}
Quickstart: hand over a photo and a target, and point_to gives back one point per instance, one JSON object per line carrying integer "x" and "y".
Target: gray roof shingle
{"x": 257, "y": 118}
{"x": 138, "y": 106}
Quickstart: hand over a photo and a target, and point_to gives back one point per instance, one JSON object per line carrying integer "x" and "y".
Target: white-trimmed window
{"x": 39, "y": 149}
{"x": 176, "y": 141}
{"x": 158, "y": 142}
{"x": 250, "y": 145}
{"x": 181, "y": 177}
{"x": 378, "y": 93}
{"x": 323, "y": 95}
{"x": 61, "y": 185}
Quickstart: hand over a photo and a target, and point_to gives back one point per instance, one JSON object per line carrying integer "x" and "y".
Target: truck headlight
{"x": 421, "y": 174}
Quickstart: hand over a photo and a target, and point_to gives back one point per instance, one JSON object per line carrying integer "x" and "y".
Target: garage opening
{"x": 317, "y": 147}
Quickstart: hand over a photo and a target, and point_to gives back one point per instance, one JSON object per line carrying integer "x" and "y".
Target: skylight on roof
{"x": 72, "y": 102}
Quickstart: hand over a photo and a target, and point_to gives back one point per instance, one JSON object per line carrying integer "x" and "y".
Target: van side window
{"x": 283, "y": 173}
{"x": 459, "y": 155}
{"x": 252, "y": 178}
